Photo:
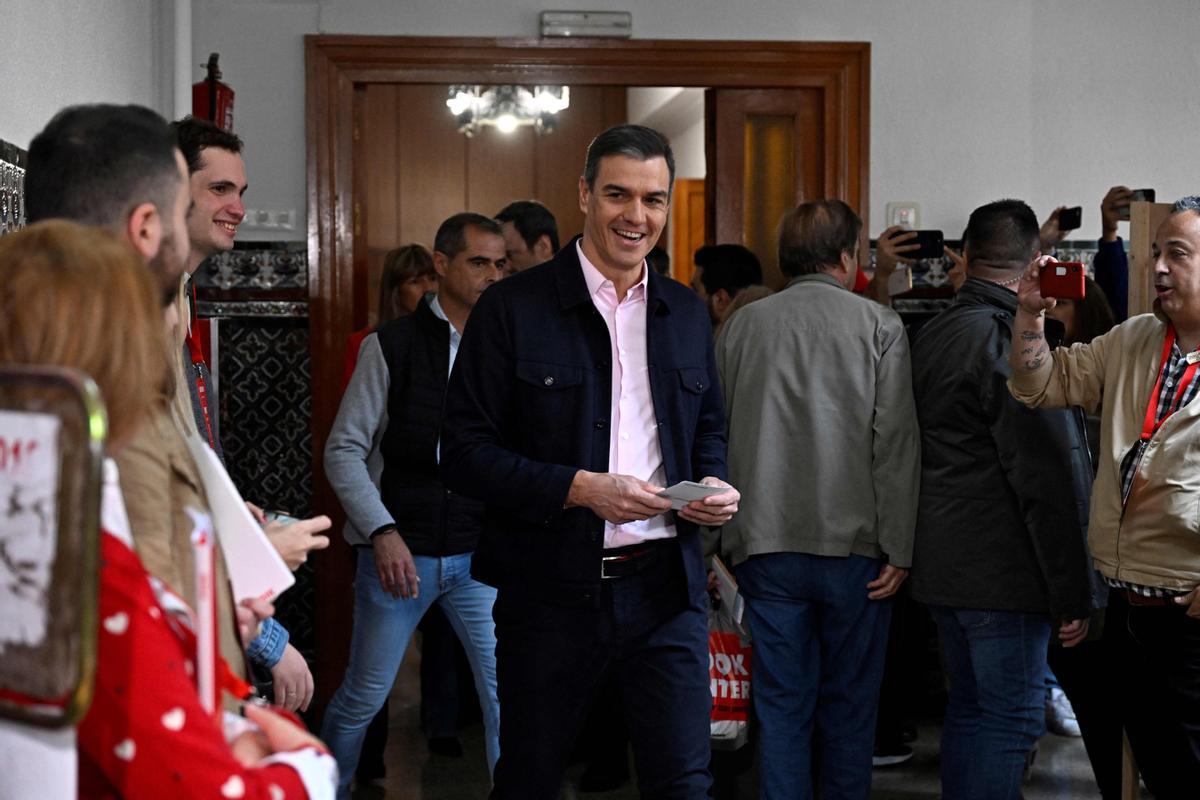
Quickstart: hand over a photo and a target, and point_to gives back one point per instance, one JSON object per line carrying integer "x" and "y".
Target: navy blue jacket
{"x": 528, "y": 406}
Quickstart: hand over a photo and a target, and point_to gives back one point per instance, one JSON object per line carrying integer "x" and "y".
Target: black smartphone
{"x": 930, "y": 244}
{"x": 1070, "y": 218}
{"x": 1136, "y": 196}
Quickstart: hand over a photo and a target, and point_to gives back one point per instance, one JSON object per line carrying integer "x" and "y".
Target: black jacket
{"x": 1004, "y": 489}
{"x": 528, "y": 406}
{"x": 433, "y": 520}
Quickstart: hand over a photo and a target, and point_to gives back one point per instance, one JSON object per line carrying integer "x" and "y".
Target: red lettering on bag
{"x": 729, "y": 676}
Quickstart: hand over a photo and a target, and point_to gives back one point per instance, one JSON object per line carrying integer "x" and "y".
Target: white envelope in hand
{"x": 685, "y": 492}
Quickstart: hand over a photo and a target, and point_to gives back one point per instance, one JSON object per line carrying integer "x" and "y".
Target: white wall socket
{"x": 270, "y": 219}
{"x": 905, "y": 213}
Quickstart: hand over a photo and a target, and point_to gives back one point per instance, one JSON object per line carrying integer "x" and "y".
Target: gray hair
{"x": 1189, "y": 203}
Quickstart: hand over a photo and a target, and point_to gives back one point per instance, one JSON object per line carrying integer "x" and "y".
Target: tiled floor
{"x": 1061, "y": 770}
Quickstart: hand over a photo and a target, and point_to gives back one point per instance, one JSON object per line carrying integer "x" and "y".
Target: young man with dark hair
{"x": 414, "y": 538}
{"x": 217, "y": 181}
{"x": 584, "y": 386}
{"x": 530, "y": 234}
{"x": 723, "y": 270}
{"x": 999, "y": 557}
{"x": 823, "y": 435}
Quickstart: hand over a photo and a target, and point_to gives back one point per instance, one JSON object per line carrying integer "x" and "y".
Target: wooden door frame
{"x": 335, "y": 65}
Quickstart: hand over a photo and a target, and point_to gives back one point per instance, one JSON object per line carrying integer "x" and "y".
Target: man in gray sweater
{"x": 414, "y": 537}
{"x": 823, "y": 443}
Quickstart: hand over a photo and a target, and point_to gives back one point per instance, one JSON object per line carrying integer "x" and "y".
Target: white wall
{"x": 62, "y": 52}
{"x": 970, "y": 101}
{"x": 678, "y": 114}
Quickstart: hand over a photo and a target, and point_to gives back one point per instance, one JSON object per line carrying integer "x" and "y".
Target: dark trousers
{"x": 901, "y": 672}
{"x": 1084, "y": 673}
{"x": 549, "y": 661}
{"x": 442, "y": 665}
{"x": 1156, "y": 653}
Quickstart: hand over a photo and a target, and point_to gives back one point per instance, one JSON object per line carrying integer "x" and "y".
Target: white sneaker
{"x": 1060, "y": 717}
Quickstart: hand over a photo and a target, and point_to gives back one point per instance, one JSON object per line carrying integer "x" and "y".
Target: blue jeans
{"x": 383, "y": 626}
{"x": 996, "y": 665}
{"x": 819, "y": 647}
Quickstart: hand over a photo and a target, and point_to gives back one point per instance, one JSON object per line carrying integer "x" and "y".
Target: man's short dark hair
{"x": 659, "y": 260}
{"x": 1001, "y": 235}
{"x": 813, "y": 236}
{"x": 635, "y": 141}
{"x": 532, "y": 220}
{"x": 451, "y": 236}
{"x": 727, "y": 266}
{"x": 96, "y": 163}
{"x": 193, "y": 135}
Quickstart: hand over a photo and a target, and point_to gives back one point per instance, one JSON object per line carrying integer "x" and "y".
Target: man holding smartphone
{"x": 1111, "y": 265}
{"x": 999, "y": 555}
{"x": 1142, "y": 528}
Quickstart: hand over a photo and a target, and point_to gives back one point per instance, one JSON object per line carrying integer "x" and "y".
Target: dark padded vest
{"x": 432, "y": 520}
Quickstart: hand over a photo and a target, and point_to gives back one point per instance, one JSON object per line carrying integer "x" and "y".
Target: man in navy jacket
{"x": 583, "y": 387}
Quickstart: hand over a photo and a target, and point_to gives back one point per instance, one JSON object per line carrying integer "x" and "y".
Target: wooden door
{"x": 414, "y": 169}
{"x": 1144, "y": 219}
{"x": 687, "y": 227}
{"x": 767, "y": 150}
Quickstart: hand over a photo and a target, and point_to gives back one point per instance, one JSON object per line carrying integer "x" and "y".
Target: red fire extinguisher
{"x": 213, "y": 100}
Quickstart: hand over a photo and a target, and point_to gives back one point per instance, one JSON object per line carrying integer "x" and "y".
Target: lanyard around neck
{"x": 1151, "y": 425}
{"x": 197, "y": 357}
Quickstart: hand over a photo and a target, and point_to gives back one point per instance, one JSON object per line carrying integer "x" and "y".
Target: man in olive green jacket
{"x": 823, "y": 436}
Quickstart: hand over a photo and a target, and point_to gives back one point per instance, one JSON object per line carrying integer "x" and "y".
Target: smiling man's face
{"x": 217, "y": 189}
{"x": 626, "y": 211}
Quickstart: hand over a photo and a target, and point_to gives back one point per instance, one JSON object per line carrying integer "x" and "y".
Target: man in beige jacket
{"x": 1145, "y": 511}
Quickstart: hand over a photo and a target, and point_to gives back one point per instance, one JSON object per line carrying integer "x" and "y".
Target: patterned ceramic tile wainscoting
{"x": 258, "y": 295}
{"x": 12, "y": 187}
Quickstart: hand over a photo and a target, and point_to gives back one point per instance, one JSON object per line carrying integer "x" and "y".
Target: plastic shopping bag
{"x": 729, "y": 679}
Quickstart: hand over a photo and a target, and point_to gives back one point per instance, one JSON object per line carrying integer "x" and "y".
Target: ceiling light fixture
{"x": 507, "y": 107}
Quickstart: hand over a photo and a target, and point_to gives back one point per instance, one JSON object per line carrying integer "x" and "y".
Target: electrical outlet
{"x": 270, "y": 219}
{"x": 905, "y": 213}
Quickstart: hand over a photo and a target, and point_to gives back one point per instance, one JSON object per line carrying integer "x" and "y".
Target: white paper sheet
{"x": 685, "y": 492}
{"x": 255, "y": 568}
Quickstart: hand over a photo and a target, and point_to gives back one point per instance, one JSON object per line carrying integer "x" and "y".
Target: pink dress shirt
{"x": 633, "y": 446}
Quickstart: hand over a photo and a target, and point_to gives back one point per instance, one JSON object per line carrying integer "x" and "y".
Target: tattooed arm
{"x": 1040, "y": 378}
{"x": 1029, "y": 349}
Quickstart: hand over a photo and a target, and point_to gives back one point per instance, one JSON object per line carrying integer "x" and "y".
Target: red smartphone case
{"x": 1063, "y": 280}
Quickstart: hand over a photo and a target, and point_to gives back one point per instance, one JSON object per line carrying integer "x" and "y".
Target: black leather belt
{"x": 621, "y": 562}
{"x": 1135, "y": 599}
